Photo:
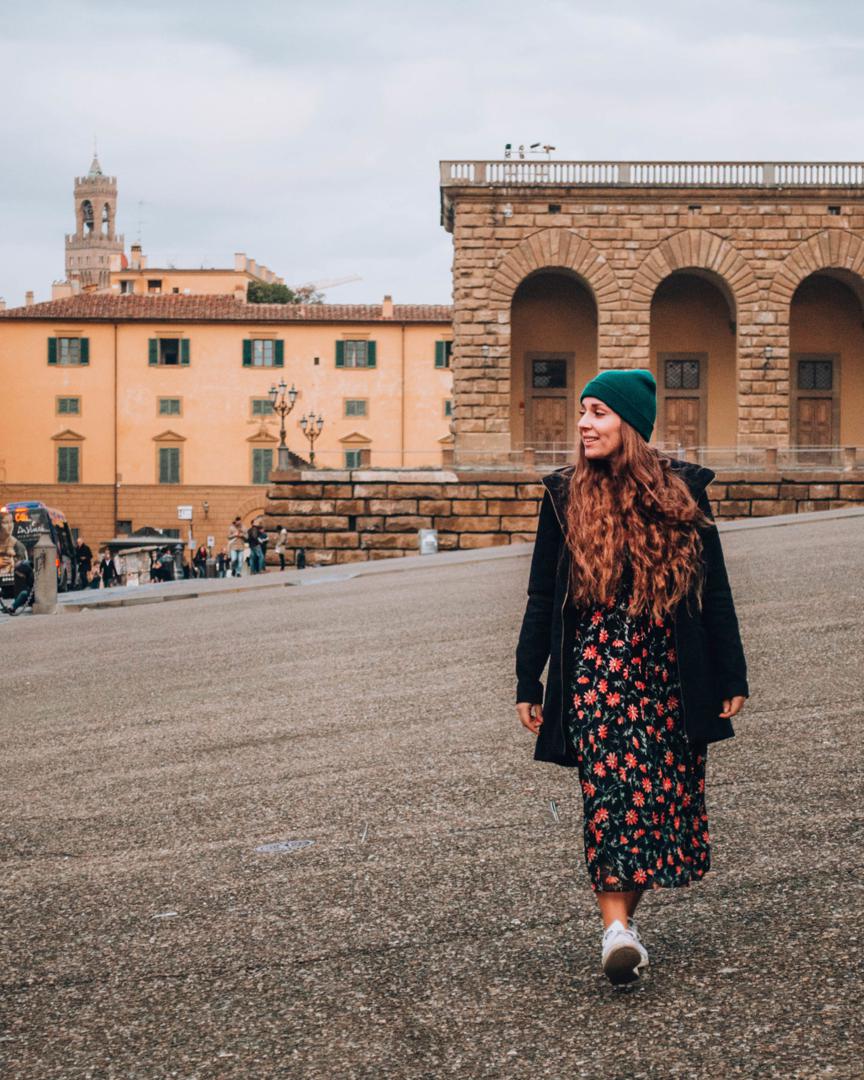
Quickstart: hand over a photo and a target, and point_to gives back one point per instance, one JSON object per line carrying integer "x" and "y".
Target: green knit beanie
{"x": 632, "y": 393}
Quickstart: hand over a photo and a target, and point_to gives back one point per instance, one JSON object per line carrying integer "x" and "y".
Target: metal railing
{"x": 720, "y": 174}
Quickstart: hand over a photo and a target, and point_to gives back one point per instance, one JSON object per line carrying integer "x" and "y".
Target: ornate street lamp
{"x": 311, "y": 426}
{"x": 282, "y": 399}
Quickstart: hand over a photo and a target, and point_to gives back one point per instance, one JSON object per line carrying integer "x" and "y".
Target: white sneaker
{"x": 623, "y": 954}
{"x": 634, "y": 930}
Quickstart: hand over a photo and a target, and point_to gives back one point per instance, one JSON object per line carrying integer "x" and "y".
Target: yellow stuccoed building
{"x": 126, "y": 407}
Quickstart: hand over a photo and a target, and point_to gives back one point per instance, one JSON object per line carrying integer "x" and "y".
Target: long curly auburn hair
{"x": 633, "y": 510}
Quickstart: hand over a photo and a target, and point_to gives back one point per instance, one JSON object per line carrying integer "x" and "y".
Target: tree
{"x": 263, "y": 292}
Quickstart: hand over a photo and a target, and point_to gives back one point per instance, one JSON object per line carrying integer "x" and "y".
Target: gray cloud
{"x": 310, "y": 137}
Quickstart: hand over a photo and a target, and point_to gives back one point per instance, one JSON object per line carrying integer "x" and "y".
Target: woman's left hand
{"x": 732, "y": 706}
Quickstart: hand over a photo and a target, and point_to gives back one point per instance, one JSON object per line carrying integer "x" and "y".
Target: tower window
{"x": 834, "y": 210}
{"x": 87, "y": 216}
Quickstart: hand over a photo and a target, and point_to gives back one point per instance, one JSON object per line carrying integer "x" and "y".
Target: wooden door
{"x": 550, "y": 420}
{"x": 815, "y": 426}
{"x": 683, "y": 415}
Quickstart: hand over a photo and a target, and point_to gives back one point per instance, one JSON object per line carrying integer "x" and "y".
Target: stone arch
{"x": 555, "y": 249}
{"x": 251, "y": 508}
{"x": 696, "y": 249}
{"x": 831, "y": 249}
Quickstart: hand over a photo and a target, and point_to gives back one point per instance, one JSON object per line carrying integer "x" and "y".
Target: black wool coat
{"x": 711, "y": 664}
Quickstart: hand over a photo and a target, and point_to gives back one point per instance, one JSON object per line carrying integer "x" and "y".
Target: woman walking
{"x": 629, "y": 601}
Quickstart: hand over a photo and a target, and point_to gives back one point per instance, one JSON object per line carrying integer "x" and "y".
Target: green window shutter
{"x": 247, "y": 353}
{"x": 169, "y": 464}
{"x": 370, "y": 354}
{"x": 67, "y": 465}
{"x": 439, "y": 354}
{"x": 340, "y": 354}
{"x": 184, "y": 351}
{"x": 52, "y": 350}
{"x": 279, "y": 353}
{"x": 84, "y": 347}
{"x": 153, "y": 351}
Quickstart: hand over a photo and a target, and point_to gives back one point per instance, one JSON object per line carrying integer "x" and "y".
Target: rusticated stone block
{"x": 407, "y": 522}
{"x": 469, "y": 506}
{"x": 793, "y": 491}
{"x": 481, "y": 540}
{"x": 342, "y": 539}
{"x": 314, "y": 521}
{"x": 530, "y": 507}
{"x": 300, "y": 490}
{"x": 389, "y": 540}
{"x": 320, "y": 557}
{"x": 852, "y": 491}
{"x": 385, "y": 554}
{"x": 822, "y": 491}
{"x": 434, "y": 506}
{"x": 338, "y": 491}
{"x": 369, "y": 491}
{"x": 392, "y": 506}
{"x": 732, "y": 509}
{"x": 345, "y": 556}
{"x": 349, "y": 506}
{"x": 496, "y": 491}
{"x": 467, "y": 524}
{"x": 753, "y": 491}
{"x": 530, "y": 491}
{"x": 305, "y": 539}
{"x": 518, "y": 524}
{"x": 307, "y": 506}
{"x": 370, "y": 523}
{"x": 448, "y": 541}
{"x": 418, "y": 491}
{"x": 808, "y": 506}
{"x": 769, "y": 507}
{"x": 462, "y": 491}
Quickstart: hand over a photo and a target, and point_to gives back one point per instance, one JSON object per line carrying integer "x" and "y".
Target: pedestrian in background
{"x": 84, "y": 557}
{"x": 253, "y": 539}
{"x": 236, "y": 546}
{"x": 199, "y": 561}
{"x": 107, "y": 569}
{"x": 222, "y": 563}
{"x": 281, "y": 545}
{"x": 263, "y": 540}
{"x": 629, "y": 601}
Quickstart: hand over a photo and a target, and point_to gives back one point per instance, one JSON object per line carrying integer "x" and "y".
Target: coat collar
{"x": 557, "y": 483}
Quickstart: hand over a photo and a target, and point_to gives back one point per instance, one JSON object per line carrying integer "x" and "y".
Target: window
{"x": 169, "y": 406}
{"x": 68, "y": 464}
{"x": 154, "y": 285}
{"x": 171, "y": 534}
{"x": 443, "y": 352}
{"x": 262, "y": 464}
{"x": 68, "y": 406}
{"x": 262, "y": 406}
{"x": 127, "y": 287}
{"x": 123, "y": 527}
{"x": 264, "y": 352}
{"x": 168, "y": 352}
{"x": 682, "y": 375}
{"x": 356, "y": 354}
{"x": 815, "y": 375}
{"x": 549, "y": 374}
{"x": 68, "y": 351}
{"x": 169, "y": 464}
{"x": 352, "y": 459}
{"x": 448, "y": 406}
{"x": 356, "y": 407}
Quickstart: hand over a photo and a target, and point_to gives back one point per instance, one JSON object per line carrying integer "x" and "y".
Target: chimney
{"x": 239, "y": 261}
{"x": 28, "y": 298}
{"x": 251, "y": 267}
{"x": 387, "y": 307}
{"x": 135, "y": 257}
{"x": 2, "y": 304}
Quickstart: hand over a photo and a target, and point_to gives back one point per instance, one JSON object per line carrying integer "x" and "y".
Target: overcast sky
{"x": 309, "y": 136}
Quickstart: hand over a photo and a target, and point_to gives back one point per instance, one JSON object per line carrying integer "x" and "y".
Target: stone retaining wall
{"x": 341, "y": 516}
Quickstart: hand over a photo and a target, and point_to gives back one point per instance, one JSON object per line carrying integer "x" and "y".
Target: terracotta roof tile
{"x": 103, "y": 307}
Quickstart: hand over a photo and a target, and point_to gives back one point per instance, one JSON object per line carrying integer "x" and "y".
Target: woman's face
{"x": 599, "y": 429}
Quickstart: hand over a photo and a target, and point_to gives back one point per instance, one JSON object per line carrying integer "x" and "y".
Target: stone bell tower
{"x": 90, "y": 247}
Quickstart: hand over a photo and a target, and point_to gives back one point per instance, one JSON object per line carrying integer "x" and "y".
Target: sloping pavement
{"x": 439, "y": 923}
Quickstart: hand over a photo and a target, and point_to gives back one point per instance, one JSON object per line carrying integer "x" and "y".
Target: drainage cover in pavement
{"x": 282, "y": 846}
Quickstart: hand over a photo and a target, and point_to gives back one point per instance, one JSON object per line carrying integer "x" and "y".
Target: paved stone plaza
{"x": 440, "y": 925}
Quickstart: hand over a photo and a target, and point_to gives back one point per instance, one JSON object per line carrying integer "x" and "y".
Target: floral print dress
{"x": 643, "y": 782}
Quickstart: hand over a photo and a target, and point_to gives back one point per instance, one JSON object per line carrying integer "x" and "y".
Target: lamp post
{"x": 311, "y": 426}
{"x": 282, "y": 399}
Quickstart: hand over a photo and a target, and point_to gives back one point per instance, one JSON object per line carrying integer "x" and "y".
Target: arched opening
{"x": 106, "y": 220}
{"x": 693, "y": 359}
{"x": 826, "y": 349}
{"x": 86, "y": 216}
{"x": 553, "y": 354}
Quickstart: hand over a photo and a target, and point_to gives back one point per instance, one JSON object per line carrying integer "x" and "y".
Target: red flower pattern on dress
{"x": 640, "y": 777}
